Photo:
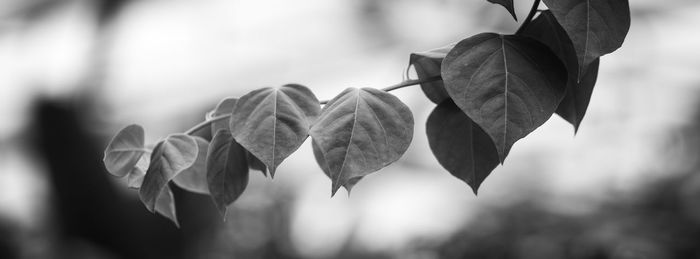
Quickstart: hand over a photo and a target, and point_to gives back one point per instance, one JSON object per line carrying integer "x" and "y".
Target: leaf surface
{"x": 272, "y": 123}
{"x": 427, "y": 64}
{"x": 135, "y": 177}
{"x": 169, "y": 158}
{"x": 165, "y": 205}
{"x": 508, "y": 85}
{"x": 359, "y": 132}
{"x": 596, "y": 27}
{"x": 194, "y": 178}
{"x": 227, "y": 170}
{"x": 460, "y": 145}
{"x": 124, "y": 150}
{"x": 508, "y": 4}
{"x": 573, "y": 107}
{"x": 225, "y": 107}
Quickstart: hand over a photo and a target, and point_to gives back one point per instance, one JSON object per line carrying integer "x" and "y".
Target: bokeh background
{"x": 73, "y": 72}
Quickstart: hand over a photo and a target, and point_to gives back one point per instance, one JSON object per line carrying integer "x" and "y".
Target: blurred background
{"x": 73, "y": 72}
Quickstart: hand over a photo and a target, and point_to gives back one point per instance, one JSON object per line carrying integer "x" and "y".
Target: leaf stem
{"x": 403, "y": 84}
{"x": 530, "y": 15}
{"x": 206, "y": 123}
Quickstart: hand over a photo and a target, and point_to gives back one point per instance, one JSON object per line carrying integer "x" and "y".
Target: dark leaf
{"x": 427, "y": 65}
{"x": 460, "y": 145}
{"x": 360, "y": 131}
{"x": 165, "y": 205}
{"x": 227, "y": 170}
{"x": 194, "y": 179}
{"x": 204, "y": 132}
{"x": 574, "y": 105}
{"x": 170, "y": 157}
{"x": 509, "y": 85}
{"x": 124, "y": 151}
{"x": 595, "y": 27}
{"x": 508, "y": 4}
{"x": 578, "y": 93}
{"x": 272, "y": 123}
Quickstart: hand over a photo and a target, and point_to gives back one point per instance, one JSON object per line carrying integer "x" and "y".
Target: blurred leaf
{"x": 272, "y": 123}
{"x": 508, "y": 4}
{"x": 509, "y": 85}
{"x": 204, "y": 132}
{"x": 360, "y": 131}
{"x": 170, "y": 157}
{"x": 227, "y": 170}
{"x": 578, "y": 94}
{"x": 427, "y": 65}
{"x": 165, "y": 205}
{"x": 135, "y": 177}
{"x": 596, "y": 28}
{"x": 194, "y": 179}
{"x": 225, "y": 107}
{"x": 460, "y": 145}
{"x": 124, "y": 151}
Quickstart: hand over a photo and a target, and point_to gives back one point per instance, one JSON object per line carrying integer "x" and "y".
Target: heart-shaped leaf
{"x": 427, "y": 65}
{"x": 360, "y": 131}
{"x": 225, "y": 107}
{"x": 508, "y": 4}
{"x": 460, "y": 145}
{"x": 165, "y": 205}
{"x": 596, "y": 27}
{"x": 227, "y": 170}
{"x": 272, "y": 123}
{"x": 573, "y": 107}
{"x": 194, "y": 179}
{"x": 170, "y": 157}
{"x": 509, "y": 85}
{"x": 124, "y": 151}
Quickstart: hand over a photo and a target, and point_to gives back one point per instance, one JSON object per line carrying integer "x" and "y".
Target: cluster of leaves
{"x": 491, "y": 90}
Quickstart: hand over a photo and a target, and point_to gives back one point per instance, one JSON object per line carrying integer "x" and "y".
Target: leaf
{"x": 321, "y": 160}
{"x": 460, "y": 145}
{"x": 165, "y": 205}
{"x": 135, "y": 177}
{"x": 124, "y": 151}
{"x": 203, "y": 132}
{"x": 360, "y": 131}
{"x": 169, "y": 158}
{"x": 596, "y": 27}
{"x": 225, "y": 107}
{"x": 509, "y": 85}
{"x": 272, "y": 123}
{"x": 227, "y": 170}
{"x": 573, "y": 107}
{"x": 194, "y": 178}
{"x": 578, "y": 95}
{"x": 508, "y": 4}
{"x": 255, "y": 163}
{"x": 427, "y": 64}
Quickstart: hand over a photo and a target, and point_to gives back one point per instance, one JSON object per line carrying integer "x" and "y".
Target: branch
{"x": 403, "y": 84}
{"x": 530, "y": 15}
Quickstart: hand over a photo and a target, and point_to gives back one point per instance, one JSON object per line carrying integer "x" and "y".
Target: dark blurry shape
{"x": 89, "y": 208}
